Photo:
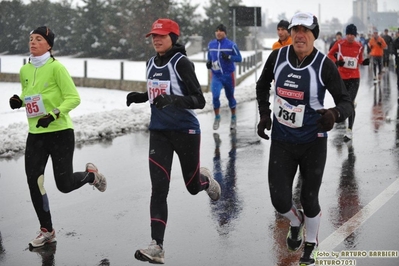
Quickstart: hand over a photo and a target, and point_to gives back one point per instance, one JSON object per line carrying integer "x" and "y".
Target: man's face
{"x": 220, "y": 34}
{"x": 282, "y": 33}
{"x": 302, "y": 40}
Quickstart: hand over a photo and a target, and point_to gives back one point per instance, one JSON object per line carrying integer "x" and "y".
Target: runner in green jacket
{"x": 48, "y": 95}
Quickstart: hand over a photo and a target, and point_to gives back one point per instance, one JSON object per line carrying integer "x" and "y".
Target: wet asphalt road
{"x": 358, "y": 196}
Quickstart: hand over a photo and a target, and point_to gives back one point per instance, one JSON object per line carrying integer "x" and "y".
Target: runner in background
{"x": 284, "y": 37}
{"x": 347, "y": 54}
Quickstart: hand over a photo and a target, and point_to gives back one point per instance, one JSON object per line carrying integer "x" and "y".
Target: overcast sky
{"x": 341, "y": 9}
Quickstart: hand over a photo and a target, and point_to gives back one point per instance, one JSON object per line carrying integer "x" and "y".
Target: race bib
{"x": 157, "y": 87}
{"x": 288, "y": 114}
{"x": 350, "y": 62}
{"x": 34, "y": 106}
{"x": 215, "y": 65}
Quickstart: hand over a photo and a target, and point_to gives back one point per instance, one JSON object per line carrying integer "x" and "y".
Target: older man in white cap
{"x": 302, "y": 76}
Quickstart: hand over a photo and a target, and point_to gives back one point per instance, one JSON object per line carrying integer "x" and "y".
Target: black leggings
{"x": 163, "y": 144}
{"x": 60, "y": 145}
{"x": 377, "y": 63}
{"x": 283, "y": 164}
{"x": 352, "y": 85}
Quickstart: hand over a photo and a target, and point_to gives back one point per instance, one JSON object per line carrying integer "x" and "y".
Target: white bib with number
{"x": 34, "y": 106}
{"x": 350, "y": 62}
{"x": 288, "y": 114}
{"x": 157, "y": 87}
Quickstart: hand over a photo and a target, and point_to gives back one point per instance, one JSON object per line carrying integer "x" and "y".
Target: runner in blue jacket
{"x": 222, "y": 53}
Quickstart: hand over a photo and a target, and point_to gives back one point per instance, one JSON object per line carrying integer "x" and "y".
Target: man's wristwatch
{"x": 56, "y": 112}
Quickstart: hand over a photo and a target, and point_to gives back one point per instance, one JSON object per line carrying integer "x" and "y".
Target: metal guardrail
{"x": 245, "y": 68}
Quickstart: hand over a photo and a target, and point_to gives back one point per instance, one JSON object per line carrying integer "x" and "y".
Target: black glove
{"x": 366, "y": 62}
{"x": 327, "y": 119}
{"x": 136, "y": 97}
{"x": 379, "y": 43}
{"x": 45, "y": 121}
{"x": 340, "y": 63}
{"x": 225, "y": 56}
{"x": 208, "y": 64}
{"x": 264, "y": 123}
{"x": 164, "y": 100}
{"x": 15, "y": 102}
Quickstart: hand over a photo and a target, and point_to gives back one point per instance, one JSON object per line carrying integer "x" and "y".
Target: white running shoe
{"x": 153, "y": 254}
{"x": 216, "y": 123}
{"x": 43, "y": 238}
{"x": 348, "y": 135}
{"x": 213, "y": 190}
{"x": 99, "y": 180}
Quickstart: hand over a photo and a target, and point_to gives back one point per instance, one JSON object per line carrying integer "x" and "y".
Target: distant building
{"x": 367, "y": 12}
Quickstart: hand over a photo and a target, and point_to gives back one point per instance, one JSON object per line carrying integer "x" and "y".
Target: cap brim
{"x": 159, "y": 32}
{"x": 311, "y": 27}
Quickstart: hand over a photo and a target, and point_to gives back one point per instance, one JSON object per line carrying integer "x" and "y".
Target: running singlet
{"x": 299, "y": 92}
{"x": 165, "y": 80}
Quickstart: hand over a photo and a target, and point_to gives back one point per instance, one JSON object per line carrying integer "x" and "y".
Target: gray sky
{"x": 341, "y": 9}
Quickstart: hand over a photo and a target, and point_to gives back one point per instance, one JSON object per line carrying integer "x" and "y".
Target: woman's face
{"x": 38, "y": 45}
{"x": 161, "y": 43}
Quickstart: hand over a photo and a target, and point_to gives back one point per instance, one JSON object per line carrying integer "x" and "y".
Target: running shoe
{"x": 233, "y": 122}
{"x": 213, "y": 190}
{"x": 99, "y": 180}
{"x": 309, "y": 254}
{"x": 217, "y": 139}
{"x": 348, "y": 135}
{"x": 153, "y": 254}
{"x": 295, "y": 234}
{"x": 216, "y": 123}
{"x": 44, "y": 237}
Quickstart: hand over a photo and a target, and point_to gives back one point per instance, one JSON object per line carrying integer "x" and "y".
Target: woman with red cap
{"x": 48, "y": 95}
{"x": 173, "y": 91}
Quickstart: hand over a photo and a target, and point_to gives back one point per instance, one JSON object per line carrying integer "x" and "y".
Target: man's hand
{"x": 264, "y": 123}
{"x": 366, "y": 62}
{"x": 15, "y": 102}
{"x": 327, "y": 119}
{"x": 225, "y": 56}
{"x": 340, "y": 63}
{"x": 45, "y": 121}
{"x": 208, "y": 64}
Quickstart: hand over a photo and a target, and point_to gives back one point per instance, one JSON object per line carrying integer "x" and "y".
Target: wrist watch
{"x": 56, "y": 112}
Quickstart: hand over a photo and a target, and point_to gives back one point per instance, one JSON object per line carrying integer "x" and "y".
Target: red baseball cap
{"x": 164, "y": 26}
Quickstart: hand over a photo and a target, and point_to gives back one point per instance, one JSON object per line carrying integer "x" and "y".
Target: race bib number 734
{"x": 288, "y": 114}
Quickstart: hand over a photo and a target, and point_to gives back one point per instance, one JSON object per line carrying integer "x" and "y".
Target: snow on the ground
{"x": 101, "y": 114}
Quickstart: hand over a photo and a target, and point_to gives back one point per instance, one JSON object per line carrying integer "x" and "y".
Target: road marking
{"x": 359, "y": 218}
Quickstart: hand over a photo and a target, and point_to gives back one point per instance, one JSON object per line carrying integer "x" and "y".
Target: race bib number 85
{"x": 288, "y": 114}
{"x": 34, "y": 106}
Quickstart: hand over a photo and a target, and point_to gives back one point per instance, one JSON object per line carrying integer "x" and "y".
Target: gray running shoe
{"x": 153, "y": 254}
{"x": 295, "y": 235}
{"x": 213, "y": 190}
{"x": 233, "y": 123}
{"x": 43, "y": 238}
{"x": 216, "y": 123}
{"x": 99, "y": 180}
